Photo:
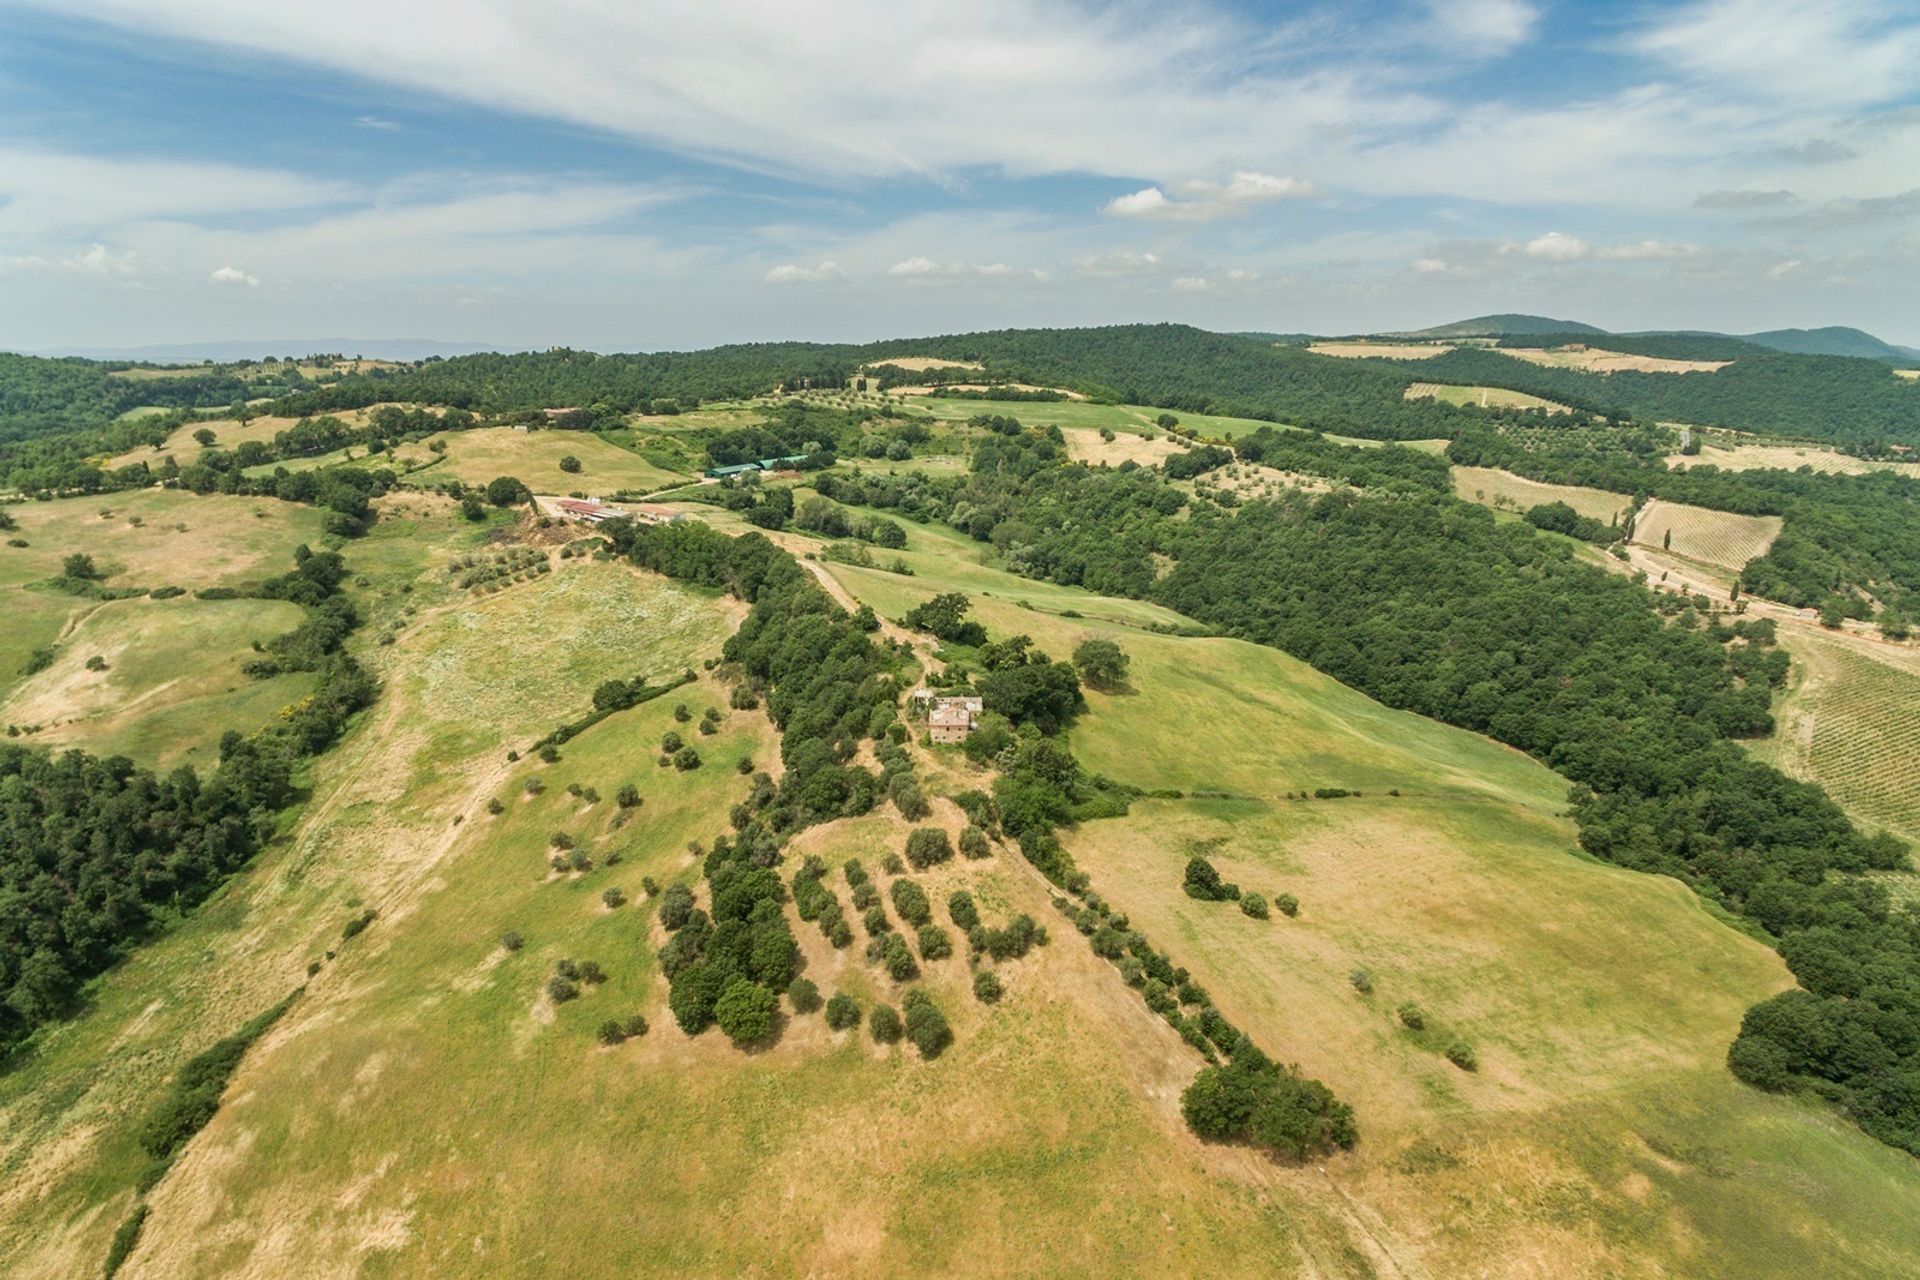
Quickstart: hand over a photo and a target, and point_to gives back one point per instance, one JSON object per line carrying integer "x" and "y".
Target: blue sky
{"x": 644, "y": 176}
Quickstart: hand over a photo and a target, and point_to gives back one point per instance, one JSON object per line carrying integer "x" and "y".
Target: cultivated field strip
{"x": 1712, "y": 537}
{"x": 1493, "y": 487}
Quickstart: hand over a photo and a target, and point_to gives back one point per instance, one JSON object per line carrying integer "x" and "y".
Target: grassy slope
{"x": 533, "y": 457}
{"x": 1602, "y": 1134}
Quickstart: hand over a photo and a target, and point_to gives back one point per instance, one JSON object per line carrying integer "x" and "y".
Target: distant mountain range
{"x": 260, "y": 348}
{"x": 1834, "y": 340}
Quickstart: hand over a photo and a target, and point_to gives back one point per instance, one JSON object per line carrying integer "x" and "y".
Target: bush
{"x": 612, "y": 896}
{"x": 960, "y": 907}
{"x": 928, "y": 846}
{"x": 685, "y": 759}
{"x": 1202, "y": 881}
{"x": 910, "y": 900}
{"x": 973, "y": 844}
{"x": 590, "y": 971}
{"x": 745, "y": 1011}
{"x": 357, "y": 925}
{"x": 1412, "y": 1015}
{"x": 891, "y": 951}
{"x": 1362, "y": 981}
{"x": 628, "y": 796}
{"x": 926, "y": 1026}
{"x": 804, "y": 995}
{"x": 125, "y": 1236}
{"x": 842, "y": 1012}
{"x": 1461, "y": 1055}
{"x": 1288, "y": 904}
{"x": 935, "y": 943}
{"x": 1251, "y": 1099}
{"x": 635, "y": 1025}
{"x": 986, "y": 987}
{"x": 560, "y": 990}
{"x": 611, "y": 1032}
{"x": 1254, "y": 905}
{"x": 495, "y": 808}
{"x": 560, "y": 840}
{"x": 884, "y": 1024}
{"x": 511, "y": 941}
{"x": 875, "y": 920}
{"x": 676, "y": 904}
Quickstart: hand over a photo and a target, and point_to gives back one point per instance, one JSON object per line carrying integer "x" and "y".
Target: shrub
{"x": 590, "y": 971}
{"x": 1362, "y": 981}
{"x": 635, "y": 1025}
{"x": 865, "y": 896}
{"x": 842, "y": 1012}
{"x": 1461, "y": 1055}
{"x": 908, "y": 798}
{"x": 579, "y": 861}
{"x": 960, "y": 907}
{"x": 884, "y": 1024}
{"x": 875, "y": 920}
{"x": 671, "y": 742}
{"x": 973, "y": 844}
{"x": 928, "y": 846}
{"x": 1412, "y": 1015}
{"x": 986, "y": 987}
{"x": 745, "y": 1011}
{"x": 511, "y": 941}
{"x": 685, "y": 759}
{"x": 1202, "y": 881}
{"x": 1288, "y": 904}
{"x": 681, "y": 714}
{"x": 535, "y": 786}
{"x": 550, "y": 754}
{"x": 628, "y": 796}
{"x": 926, "y": 1026}
{"x": 1254, "y": 905}
{"x": 560, "y": 840}
{"x": 650, "y": 886}
{"x": 560, "y": 990}
{"x": 357, "y": 925}
{"x": 676, "y": 904}
{"x": 611, "y": 1032}
{"x": 893, "y": 866}
{"x": 935, "y": 943}
{"x": 804, "y": 995}
{"x": 495, "y": 807}
{"x": 125, "y": 1236}
{"x": 612, "y": 896}
{"x": 910, "y": 900}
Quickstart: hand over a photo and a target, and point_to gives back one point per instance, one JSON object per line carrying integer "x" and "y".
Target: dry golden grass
{"x": 228, "y": 432}
{"x": 1598, "y": 360}
{"x": 920, "y": 364}
{"x": 1084, "y": 444}
{"x": 1508, "y": 492}
{"x": 533, "y": 457}
{"x": 1786, "y": 457}
{"x": 1907, "y": 373}
{"x": 1485, "y": 397}
{"x": 1718, "y": 538}
{"x": 1393, "y": 350}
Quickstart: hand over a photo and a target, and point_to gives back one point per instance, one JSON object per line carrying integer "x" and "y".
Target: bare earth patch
{"x": 1596, "y": 360}
{"x": 1387, "y": 350}
{"x": 1085, "y": 444}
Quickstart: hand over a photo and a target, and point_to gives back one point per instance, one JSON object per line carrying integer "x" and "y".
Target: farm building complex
{"x": 949, "y": 719}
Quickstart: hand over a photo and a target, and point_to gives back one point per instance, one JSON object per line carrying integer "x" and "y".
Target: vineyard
{"x": 1712, "y": 537}
{"x": 1851, "y": 726}
{"x": 1505, "y": 491}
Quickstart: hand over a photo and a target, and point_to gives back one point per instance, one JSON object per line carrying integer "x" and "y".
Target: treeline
{"x": 95, "y": 852}
{"x": 1841, "y": 399}
{"x": 1843, "y": 536}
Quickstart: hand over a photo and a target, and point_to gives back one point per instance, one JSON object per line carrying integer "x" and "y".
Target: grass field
{"x": 172, "y": 684}
{"x": 1598, "y": 360}
{"x": 1390, "y": 350}
{"x": 1717, "y": 538}
{"x": 227, "y": 433}
{"x": 1085, "y": 444}
{"x": 1485, "y": 397}
{"x": 1783, "y": 457}
{"x": 423, "y": 1110}
{"x": 1505, "y": 491}
{"x": 533, "y": 458}
{"x": 1849, "y": 721}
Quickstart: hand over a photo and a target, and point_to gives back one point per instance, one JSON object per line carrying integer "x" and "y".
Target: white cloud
{"x": 924, "y": 270}
{"x": 1556, "y": 247}
{"x": 1833, "y": 53}
{"x": 235, "y": 276}
{"x": 1480, "y": 28}
{"x": 1191, "y": 284}
{"x": 1121, "y": 262}
{"x": 375, "y": 122}
{"x": 827, "y": 272}
{"x": 1204, "y": 201}
{"x": 1431, "y": 266}
{"x": 1782, "y": 269}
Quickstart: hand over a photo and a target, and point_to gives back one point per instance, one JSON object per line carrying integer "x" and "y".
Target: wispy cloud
{"x": 233, "y": 276}
{"x": 827, "y": 272}
{"x": 1202, "y": 201}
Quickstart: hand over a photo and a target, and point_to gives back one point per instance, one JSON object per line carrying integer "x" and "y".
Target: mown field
{"x": 533, "y": 458}
{"x": 1492, "y": 487}
{"x": 1485, "y": 397}
{"x": 1718, "y": 538}
{"x": 1749, "y": 456}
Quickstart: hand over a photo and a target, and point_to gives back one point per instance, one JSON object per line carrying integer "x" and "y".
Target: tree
{"x": 945, "y": 617}
{"x": 205, "y": 438}
{"x": 926, "y": 1026}
{"x": 842, "y": 1012}
{"x": 928, "y": 846}
{"x": 987, "y": 988}
{"x": 804, "y": 995}
{"x": 505, "y": 491}
{"x": 1101, "y": 663}
{"x": 745, "y": 1011}
{"x": 570, "y": 464}
{"x": 1254, "y": 905}
{"x": 883, "y": 1024}
{"x": 80, "y": 567}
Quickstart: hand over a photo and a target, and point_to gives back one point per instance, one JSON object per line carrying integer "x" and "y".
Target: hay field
{"x": 533, "y": 457}
{"x": 1717, "y": 538}
{"x": 1390, "y": 350}
{"x": 1598, "y": 360}
{"x": 1909, "y": 374}
{"x": 1484, "y": 397}
{"x": 1850, "y": 721}
{"x": 1084, "y": 444}
{"x": 225, "y": 537}
{"x": 1786, "y": 457}
{"x": 1505, "y": 491}
{"x": 172, "y": 684}
{"x": 228, "y": 432}
{"x": 920, "y": 364}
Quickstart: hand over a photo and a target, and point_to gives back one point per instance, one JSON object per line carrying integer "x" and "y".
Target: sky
{"x": 677, "y": 173}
